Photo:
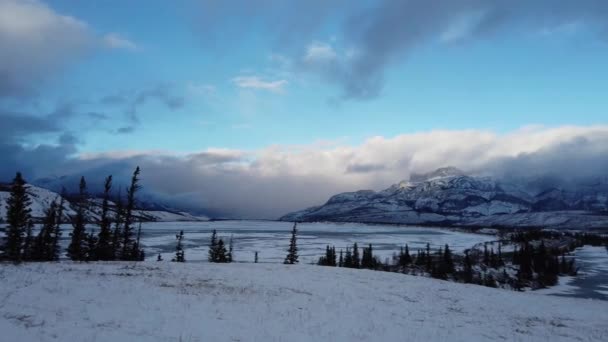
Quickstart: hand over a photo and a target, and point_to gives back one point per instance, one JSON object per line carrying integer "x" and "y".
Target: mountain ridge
{"x": 448, "y": 196}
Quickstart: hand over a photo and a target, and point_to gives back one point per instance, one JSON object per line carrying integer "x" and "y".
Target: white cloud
{"x": 319, "y": 52}
{"x": 34, "y": 41}
{"x": 255, "y": 82}
{"x": 274, "y": 180}
{"x": 116, "y": 41}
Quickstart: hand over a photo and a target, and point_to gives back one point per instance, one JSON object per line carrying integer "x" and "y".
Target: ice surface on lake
{"x": 271, "y": 238}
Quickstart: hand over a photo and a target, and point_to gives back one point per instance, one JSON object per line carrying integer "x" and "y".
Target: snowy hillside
{"x": 448, "y": 196}
{"x": 165, "y": 301}
{"x": 41, "y": 199}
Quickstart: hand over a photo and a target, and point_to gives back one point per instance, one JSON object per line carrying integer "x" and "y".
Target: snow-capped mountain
{"x": 41, "y": 199}
{"x": 448, "y": 196}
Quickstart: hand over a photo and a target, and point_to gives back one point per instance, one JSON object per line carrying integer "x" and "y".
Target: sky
{"x": 225, "y": 102}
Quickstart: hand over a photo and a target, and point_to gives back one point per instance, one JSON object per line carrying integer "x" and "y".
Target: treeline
{"x": 438, "y": 264}
{"x": 530, "y": 263}
{"x": 116, "y": 238}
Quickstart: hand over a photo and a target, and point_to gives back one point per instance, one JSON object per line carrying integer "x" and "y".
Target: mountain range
{"x": 448, "y": 196}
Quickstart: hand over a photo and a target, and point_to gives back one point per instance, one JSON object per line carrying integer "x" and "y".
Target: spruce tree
{"x": 230, "y": 250}
{"x": 179, "y": 251}
{"x": 467, "y": 268}
{"x": 213, "y": 247}
{"x": 18, "y": 217}
{"x": 356, "y": 260}
{"x": 292, "y": 251}
{"x": 77, "y": 248}
{"x": 43, "y": 242}
{"x": 104, "y": 238}
{"x": 222, "y": 254}
{"x": 55, "y": 248}
{"x": 348, "y": 258}
{"x": 118, "y": 222}
{"x": 448, "y": 260}
{"x": 28, "y": 243}
{"x": 255, "y": 257}
{"x": 428, "y": 259}
{"x": 341, "y": 259}
{"x": 91, "y": 246}
{"x": 129, "y": 250}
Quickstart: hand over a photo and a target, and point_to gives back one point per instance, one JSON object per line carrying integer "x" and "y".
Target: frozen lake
{"x": 271, "y": 238}
{"x": 592, "y": 278}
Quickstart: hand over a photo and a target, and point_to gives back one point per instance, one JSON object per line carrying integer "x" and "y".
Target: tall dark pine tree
{"x": 118, "y": 221}
{"x": 356, "y": 259}
{"x": 230, "y": 250}
{"x": 54, "y": 247}
{"x": 292, "y": 251}
{"x": 447, "y": 260}
{"x": 367, "y": 260}
{"x": 213, "y": 247}
{"x": 128, "y": 245}
{"x": 179, "y": 251}
{"x": 77, "y": 248}
{"x": 467, "y": 268}
{"x": 222, "y": 253}
{"x": 41, "y": 250}
{"x": 18, "y": 218}
{"x": 104, "y": 238}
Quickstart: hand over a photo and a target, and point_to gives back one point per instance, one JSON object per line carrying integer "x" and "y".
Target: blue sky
{"x": 511, "y": 79}
{"x": 122, "y": 78}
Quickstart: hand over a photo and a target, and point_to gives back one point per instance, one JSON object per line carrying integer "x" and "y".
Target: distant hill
{"x": 41, "y": 199}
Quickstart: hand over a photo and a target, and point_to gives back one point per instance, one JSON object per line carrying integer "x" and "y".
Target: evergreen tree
{"x": 367, "y": 259}
{"x": 230, "y": 250}
{"x": 179, "y": 251}
{"x": 447, "y": 260}
{"x": 292, "y": 251}
{"x": 54, "y": 247}
{"x": 356, "y": 263}
{"x": 118, "y": 222}
{"x": 428, "y": 259}
{"x": 28, "y": 243}
{"x": 159, "y": 257}
{"x": 91, "y": 246}
{"x": 129, "y": 250}
{"x": 341, "y": 259}
{"x": 77, "y": 248}
{"x": 18, "y": 217}
{"x": 213, "y": 247}
{"x": 222, "y": 254}
{"x": 42, "y": 243}
{"x": 255, "y": 257}
{"x": 348, "y": 258}
{"x": 486, "y": 255}
{"x": 407, "y": 259}
{"x": 136, "y": 252}
{"x": 104, "y": 239}
{"x": 467, "y": 268}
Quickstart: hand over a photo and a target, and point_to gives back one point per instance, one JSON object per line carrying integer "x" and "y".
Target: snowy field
{"x": 271, "y": 239}
{"x": 150, "y": 301}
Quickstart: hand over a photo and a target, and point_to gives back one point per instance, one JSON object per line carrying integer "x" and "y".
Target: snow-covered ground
{"x": 150, "y": 301}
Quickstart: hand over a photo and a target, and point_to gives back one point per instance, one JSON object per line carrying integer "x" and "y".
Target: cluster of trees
{"x": 217, "y": 249}
{"x": 116, "y": 238}
{"x": 541, "y": 264}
